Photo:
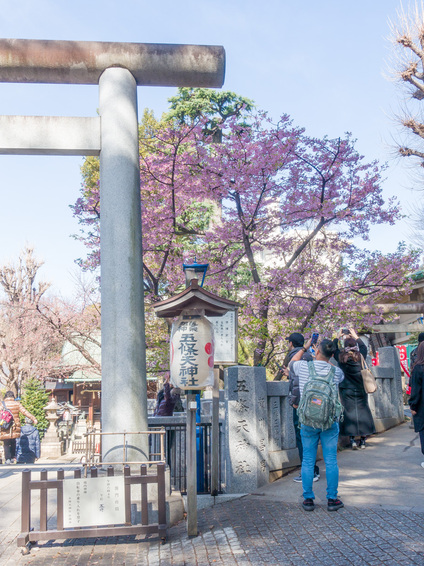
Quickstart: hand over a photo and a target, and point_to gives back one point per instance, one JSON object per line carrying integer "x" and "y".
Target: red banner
{"x": 403, "y": 356}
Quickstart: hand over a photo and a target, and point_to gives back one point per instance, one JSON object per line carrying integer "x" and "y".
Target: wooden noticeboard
{"x": 93, "y": 502}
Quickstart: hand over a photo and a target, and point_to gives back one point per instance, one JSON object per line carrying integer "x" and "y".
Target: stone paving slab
{"x": 250, "y": 531}
{"x": 382, "y": 523}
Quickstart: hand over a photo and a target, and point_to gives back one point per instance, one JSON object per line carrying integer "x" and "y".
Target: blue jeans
{"x": 310, "y": 438}
{"x": 299, "y": 446}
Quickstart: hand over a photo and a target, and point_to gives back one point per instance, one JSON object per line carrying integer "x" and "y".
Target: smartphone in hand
{"x": 314, "y": 338}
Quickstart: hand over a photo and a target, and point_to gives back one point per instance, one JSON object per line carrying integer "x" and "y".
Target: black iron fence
{"x": 175, "y": 452}
{"x": 174, "y": 446}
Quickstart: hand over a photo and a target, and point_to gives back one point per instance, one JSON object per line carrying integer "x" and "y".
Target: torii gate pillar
{"x": 121, "y": 259}
{"x": 118, "y": 68}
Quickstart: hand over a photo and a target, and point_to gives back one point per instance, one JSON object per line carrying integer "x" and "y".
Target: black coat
{"x": 416, "y": 400}
{"x": 28, "y": 445}
{"x": 166, "y": 404}
{"x": 357, "y": 417}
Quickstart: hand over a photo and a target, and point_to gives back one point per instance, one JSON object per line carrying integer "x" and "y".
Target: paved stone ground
{"x": 254, "y": 531}
{"x": 381, "y": 525}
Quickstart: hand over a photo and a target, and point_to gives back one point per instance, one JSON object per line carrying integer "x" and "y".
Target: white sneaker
{"x": 316, "y": 477}
{"x": 422, "y": 464}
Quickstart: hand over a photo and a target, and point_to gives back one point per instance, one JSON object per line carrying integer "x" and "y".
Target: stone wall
{"x": 259, "y": 444}
{"x": 259, "y": 439}
{"x": 387, "y": 402}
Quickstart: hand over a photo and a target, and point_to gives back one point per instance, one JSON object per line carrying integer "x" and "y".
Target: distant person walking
{"x": 416, "y": 400}
{"x": 9, "y": 436}
{"x": 357, "y": 417}
{"x": 28, "y": 445}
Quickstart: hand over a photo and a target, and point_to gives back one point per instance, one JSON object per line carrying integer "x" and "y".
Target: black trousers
{"x": 421, "y": 433}
{"x": 9, "y": 448}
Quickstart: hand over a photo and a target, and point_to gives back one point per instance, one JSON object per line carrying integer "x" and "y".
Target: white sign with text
{"x": 225, "y": 333}
{"x": 89, "y": 502}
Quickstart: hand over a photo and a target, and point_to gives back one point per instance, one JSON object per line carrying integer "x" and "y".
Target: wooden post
{"x": 144, "y": 500}
{"x": 59, "y": 498}
{"x": 26, "y": 502}
{"x": 43, "y": 501}
{"x": 215, "y": 435}
{"x": 191, "y": 465}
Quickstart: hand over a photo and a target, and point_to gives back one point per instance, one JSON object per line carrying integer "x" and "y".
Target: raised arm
{"x": 298, "y": 355}
{"x": 27, "y": 413}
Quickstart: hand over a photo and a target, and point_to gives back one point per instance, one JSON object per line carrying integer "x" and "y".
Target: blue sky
{"x": 323, "y": 63}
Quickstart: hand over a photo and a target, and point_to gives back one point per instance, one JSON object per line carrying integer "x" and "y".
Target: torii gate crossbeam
{"x": 118, "y": 68}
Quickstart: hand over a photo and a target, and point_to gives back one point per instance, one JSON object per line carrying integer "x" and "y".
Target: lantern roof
{"x": 194, "y": 297}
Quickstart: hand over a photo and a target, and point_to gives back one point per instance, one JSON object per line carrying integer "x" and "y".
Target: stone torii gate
{"x": 118, "y": 68}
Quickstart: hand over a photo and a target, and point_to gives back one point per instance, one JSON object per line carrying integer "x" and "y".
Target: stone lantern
{"x": 51, "y": 446}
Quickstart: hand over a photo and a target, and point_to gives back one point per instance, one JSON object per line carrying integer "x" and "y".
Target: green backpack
{"x": 319, "y": 404}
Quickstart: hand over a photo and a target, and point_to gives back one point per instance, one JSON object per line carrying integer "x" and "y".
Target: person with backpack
{"x": 295, "y": 344}
{"x": 13, "y": 431}
{"x": 319, "y": 411}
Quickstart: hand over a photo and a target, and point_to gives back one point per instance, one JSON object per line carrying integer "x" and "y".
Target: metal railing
{"x": 167, "y": 443}
{"x": 93, "y": 447}
{"x": 175, "y": 454}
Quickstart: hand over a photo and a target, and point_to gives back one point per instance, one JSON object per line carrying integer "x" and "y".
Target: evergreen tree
{"x": 34, "y": 399}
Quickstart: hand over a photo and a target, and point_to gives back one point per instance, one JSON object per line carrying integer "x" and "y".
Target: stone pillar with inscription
{"x": 246, "y": 433}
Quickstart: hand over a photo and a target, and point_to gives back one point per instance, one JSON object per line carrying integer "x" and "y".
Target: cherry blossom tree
{"x": 34, "y": 326}
{"x": 273, "y": 212}
{"x": 26, "y": 348}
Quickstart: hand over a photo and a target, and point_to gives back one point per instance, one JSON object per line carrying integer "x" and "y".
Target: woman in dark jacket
{"x": 357, "y": 417}
{"x": 416, "y": 400}
{"x": 167, "y": 400}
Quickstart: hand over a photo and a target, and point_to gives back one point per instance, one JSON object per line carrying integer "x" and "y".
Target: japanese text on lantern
{"x": 189, "y": 366}
{"x": 192, "y": 352}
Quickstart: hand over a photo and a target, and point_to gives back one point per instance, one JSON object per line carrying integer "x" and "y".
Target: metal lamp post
{"x": 192, "y": 359}
{"x": 195, "y": 271}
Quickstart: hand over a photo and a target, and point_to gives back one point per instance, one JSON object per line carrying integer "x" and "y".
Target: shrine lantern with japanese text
{"x": 192, "y": 336}
{"x": 192, "y": 352}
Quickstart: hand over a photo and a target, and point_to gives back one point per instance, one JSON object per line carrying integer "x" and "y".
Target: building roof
{"x": 194, "y": 297}
{"x": 72, "y": 357}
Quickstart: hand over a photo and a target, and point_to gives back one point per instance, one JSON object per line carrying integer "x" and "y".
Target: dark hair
{"x": 419, "y": 360}
{"x": 327, "y": 348}
{"x": 421, "y": 337}
{"x": 297, "y": 339}
{"x": 350, "y": 355}
{"x": 9, "y": 395}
